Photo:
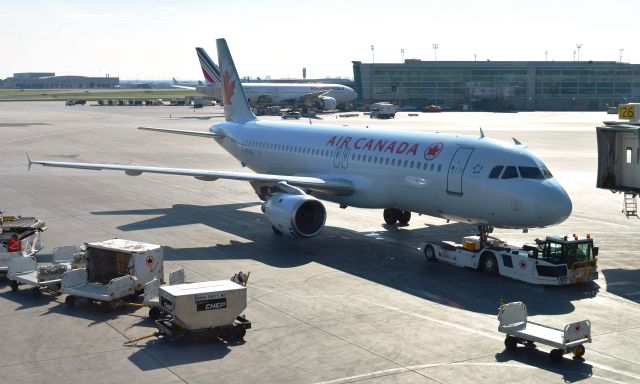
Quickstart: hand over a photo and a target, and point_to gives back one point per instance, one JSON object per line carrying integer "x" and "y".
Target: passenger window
{"x": 510, "y": 173}
{"x": 386, "y": 162}
{"x": 439, "y": 167}
{"x": 432, "y": 166}
{"x": 495, "y": 172}
{"x": 411, "y": 165}
{"x": 530, "y": 173}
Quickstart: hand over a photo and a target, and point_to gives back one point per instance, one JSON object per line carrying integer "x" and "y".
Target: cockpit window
{"x": 510, "y": 173}
{"x": 530, "y": 173}
{"x": 495, "y": 172}
{"x": 546, "y": 173}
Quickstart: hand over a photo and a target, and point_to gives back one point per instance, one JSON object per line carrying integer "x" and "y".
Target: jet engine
{"x": 326, "y": 103}
{"x": 295, "y": 215}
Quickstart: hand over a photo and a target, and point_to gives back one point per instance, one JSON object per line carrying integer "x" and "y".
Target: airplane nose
{"x": 554, "y": 204}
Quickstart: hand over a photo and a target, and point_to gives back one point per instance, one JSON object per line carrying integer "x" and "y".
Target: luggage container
{"x": 115, "y": 269}
{"x": 200, "y": 310}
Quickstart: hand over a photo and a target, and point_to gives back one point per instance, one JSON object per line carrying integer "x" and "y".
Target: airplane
{"x": 470, "y": 179}
{"x": 325, "y": 97}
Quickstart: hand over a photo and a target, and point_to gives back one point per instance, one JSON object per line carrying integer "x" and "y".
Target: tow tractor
{"x": 557, "y": 260}
{"x": 27, "y": 229}
{"x": 115, "y": 269}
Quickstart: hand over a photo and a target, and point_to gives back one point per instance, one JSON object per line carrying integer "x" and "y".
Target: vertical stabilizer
{"x": 210, "y": 70}
{"x": 236, "y": 106}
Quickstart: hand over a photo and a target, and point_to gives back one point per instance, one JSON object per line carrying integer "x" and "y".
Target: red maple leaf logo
{"x": 432, "y": 151}
{"x": 228, "y": 87}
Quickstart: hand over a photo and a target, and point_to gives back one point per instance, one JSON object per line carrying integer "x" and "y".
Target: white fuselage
{"x": 277, "y": 93}
{"x": 437, "y": 174}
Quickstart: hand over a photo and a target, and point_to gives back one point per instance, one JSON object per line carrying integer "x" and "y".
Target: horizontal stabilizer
{"x": 182, "y": 132}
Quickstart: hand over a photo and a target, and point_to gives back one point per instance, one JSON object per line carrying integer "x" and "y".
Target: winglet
{"x": 30, "y": 162}
{"x": 516, "y": 142}
{"x": 481, "y": 133}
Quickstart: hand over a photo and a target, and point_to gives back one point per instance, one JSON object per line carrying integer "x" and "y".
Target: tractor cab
{"x": 567, "y": 250}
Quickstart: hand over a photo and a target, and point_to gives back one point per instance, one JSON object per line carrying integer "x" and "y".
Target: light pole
{"x": 545, "y": 55}
{"x": 574, "y": 55}
{"x": 435, "y": 51}
{"x": 373, "y": 61}
{"x": 621, "y": 49}
{"x": 475, "y": 58}
{"x": 579, "y": 45}
{"x": 402, "y": 53}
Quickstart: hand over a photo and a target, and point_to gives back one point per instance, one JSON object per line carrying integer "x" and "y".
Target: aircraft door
{"x": 456, "y": 170}
{"x": 630, "y": 165}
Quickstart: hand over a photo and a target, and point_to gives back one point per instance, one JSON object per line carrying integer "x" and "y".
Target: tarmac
{"x": 357, "y": 303}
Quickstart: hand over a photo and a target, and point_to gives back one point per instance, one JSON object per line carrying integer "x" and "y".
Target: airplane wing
{"x": 310, "y": 97}
{"x": 340, "y": 187}
{"x": 177, "y": 85}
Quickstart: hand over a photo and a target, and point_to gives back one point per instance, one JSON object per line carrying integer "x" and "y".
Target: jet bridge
{"x": 619, "y": 156}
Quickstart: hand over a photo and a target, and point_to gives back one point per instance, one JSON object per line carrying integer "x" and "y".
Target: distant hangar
{"x": 48, "y": 80}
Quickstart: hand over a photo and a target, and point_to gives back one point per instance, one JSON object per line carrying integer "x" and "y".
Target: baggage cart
{"x": 513, "y": 322}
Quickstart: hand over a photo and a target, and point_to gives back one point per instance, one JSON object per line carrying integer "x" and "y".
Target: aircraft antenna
{"x": 481, "y": 133}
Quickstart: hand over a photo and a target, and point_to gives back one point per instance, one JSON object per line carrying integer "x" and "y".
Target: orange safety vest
{"x": 15, "y": 245}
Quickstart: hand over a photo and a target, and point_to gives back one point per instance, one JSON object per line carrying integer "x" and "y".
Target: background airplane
{"x": 471, "y": 179}
{"x": 323, "y": 96}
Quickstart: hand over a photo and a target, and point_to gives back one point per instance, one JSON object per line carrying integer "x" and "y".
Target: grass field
{"x": 92, "y": 94}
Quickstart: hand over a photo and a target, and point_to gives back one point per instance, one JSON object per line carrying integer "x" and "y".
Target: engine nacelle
{"x": 326, "y": 103}
{"x": 295, "y": 215}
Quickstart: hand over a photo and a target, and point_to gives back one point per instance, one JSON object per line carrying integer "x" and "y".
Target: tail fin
{"x": 236, "y": 106}
{"x": 210, "y": 70}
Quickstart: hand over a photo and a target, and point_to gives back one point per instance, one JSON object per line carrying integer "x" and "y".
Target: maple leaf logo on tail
{"x": 228, "y": 88}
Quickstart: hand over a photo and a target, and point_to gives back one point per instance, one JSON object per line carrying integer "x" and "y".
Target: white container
{"x": 204, "y": 305}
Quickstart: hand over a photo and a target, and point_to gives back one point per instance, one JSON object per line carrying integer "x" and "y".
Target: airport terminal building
{"x": 500, "y": 85}
{"x": 48, "y": 80}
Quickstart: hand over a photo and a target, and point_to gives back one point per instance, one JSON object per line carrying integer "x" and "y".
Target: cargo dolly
{"x": 25, "y": 270}
{"x": 513, "y": 322}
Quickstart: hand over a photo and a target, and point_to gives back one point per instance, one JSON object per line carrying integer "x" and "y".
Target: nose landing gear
{"x": 483, "y": 232}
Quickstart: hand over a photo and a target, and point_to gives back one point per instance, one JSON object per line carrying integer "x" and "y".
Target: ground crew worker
{"x": 15, "y": 244}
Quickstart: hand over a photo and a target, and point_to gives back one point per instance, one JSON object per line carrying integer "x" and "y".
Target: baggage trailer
{"x": 115, "y": 269}
{"x": 557, "y": 260}
{"x": 513, "y": 322}
{"x": 152, "y": 292}
{"x": 27, "y": 229}
{"x": 25, "y": 270}
{"x": 209, "y": 309}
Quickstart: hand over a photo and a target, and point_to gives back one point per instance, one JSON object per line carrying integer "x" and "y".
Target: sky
{"x": 153, "y": 40}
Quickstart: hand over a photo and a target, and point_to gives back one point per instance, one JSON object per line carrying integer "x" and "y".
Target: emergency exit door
{"x": 456, "y": 170}
{"x": 630, "y": 167}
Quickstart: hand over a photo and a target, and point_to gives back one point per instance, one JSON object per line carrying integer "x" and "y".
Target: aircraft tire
{"x": 391, "y": 216}
{"x": 405, "y": 217}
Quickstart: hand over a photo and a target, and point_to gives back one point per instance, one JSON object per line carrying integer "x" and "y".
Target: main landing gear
{"x": 395, "y": 215}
